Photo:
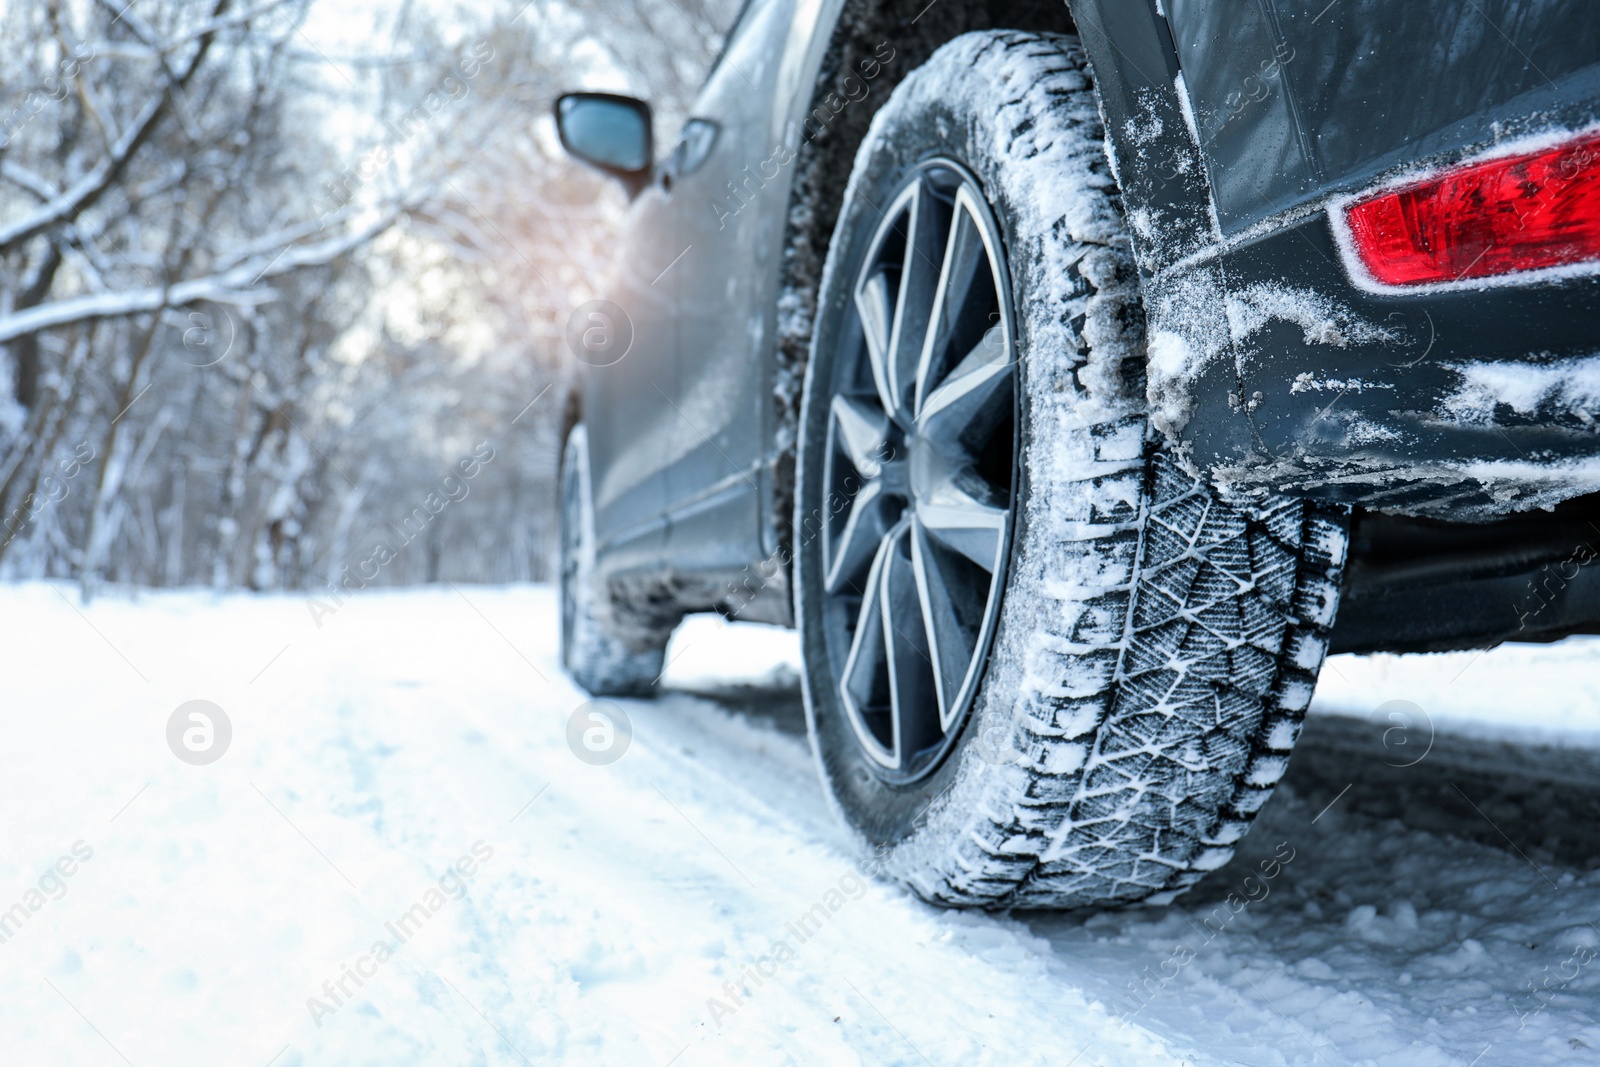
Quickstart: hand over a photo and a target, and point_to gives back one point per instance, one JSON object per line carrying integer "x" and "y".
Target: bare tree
{"x": 242, "y": 342}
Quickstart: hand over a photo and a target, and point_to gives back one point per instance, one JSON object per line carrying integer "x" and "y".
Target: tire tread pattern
{"x": 1170, "y": 657}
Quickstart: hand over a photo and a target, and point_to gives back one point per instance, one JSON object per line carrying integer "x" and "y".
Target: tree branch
{"x": 83, "y": 193}
{"x": 234, "y": 286}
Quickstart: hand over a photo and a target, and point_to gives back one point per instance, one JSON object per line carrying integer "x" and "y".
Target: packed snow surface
{"x": 401, "y": 859}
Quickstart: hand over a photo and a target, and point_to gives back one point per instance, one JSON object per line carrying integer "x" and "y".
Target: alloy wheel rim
{"x": 920, "y": 466}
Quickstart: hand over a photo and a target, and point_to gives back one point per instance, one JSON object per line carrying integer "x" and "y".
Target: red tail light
{"x": 1501, "y": 216}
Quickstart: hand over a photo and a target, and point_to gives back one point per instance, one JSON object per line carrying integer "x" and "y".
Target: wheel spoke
{"x": 851, "y": 550}
{"x": 964, "y": 266}
{"x": 880, "y": 288}
{"x": 953, "y": 593}
{"x": 920, "y": 275}
{"x": 860, "y": 430}
{"x": 960, "y": 513}
{"x": 874, "y": 298}
{"x": 913, "y": 696}
{"x": 974, "y": 398}
{"x": 863, "y": 684}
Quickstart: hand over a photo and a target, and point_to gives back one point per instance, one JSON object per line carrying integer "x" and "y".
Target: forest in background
{"x": 283, "y": 283}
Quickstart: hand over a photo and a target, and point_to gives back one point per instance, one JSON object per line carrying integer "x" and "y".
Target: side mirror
{"x": 608, "y": 132}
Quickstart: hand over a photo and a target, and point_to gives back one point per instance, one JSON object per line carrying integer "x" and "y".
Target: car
{"x": 1076, "y": 377}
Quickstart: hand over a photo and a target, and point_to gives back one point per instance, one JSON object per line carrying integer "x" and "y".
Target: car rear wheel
{"x": 1044, "y": 666}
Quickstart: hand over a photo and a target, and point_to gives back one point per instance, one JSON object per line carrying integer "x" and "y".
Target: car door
{"x": 624, "y": 347}
{"x": 729, "y": 182}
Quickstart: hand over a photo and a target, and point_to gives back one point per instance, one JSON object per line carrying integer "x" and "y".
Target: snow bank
{"x": 1533, "y": 693}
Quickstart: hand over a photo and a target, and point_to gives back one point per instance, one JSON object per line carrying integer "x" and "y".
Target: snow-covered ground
{"x": 400, "y": 803}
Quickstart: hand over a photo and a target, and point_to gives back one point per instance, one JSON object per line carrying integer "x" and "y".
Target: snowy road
{"x": 400, "y": 860}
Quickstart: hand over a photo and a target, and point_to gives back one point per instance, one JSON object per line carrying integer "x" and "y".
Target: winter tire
{"x": 601, "y": 663}
{"x": 1044, "y": 665}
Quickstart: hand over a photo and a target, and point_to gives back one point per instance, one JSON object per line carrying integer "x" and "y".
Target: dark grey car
{"x": 1059, "y": 370}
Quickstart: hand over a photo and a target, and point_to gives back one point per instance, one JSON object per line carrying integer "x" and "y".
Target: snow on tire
{"x": 1156, "y": 648}
{"x": 600, "y": 662}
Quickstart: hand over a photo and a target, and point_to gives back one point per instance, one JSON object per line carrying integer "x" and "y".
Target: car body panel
{"x": 622, "y": 407}
{"x": 732, "y": 236}
{"x": 1395, "y": 401}
{"x": 1293, "y": 99}
{"x": 734, "y": 208}
{"x": 1253, "y": 316}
